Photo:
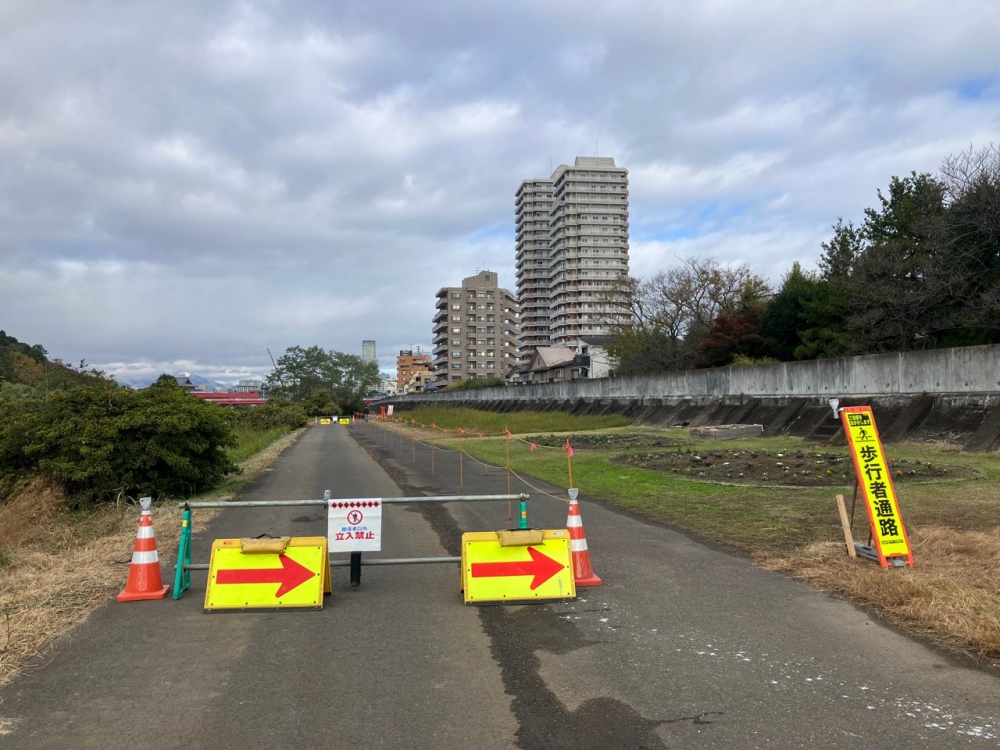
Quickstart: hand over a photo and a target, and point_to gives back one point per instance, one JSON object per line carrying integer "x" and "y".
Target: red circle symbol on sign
{"x": 355, "y": 517}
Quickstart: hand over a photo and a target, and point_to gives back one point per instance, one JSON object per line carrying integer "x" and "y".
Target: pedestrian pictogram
{"x": 355, "y": 516}
{"x": 268, "y": 574}
{"x": 517, "y": 566}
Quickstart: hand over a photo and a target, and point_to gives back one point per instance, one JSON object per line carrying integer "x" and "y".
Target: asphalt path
{"x": 684, "y": 646}
{"x": 396, "y": 663}
{"x": 688, "y": 646}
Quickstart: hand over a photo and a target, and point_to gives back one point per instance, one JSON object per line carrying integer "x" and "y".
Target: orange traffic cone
{"x": 144, "y": 581}
{"x": 583, "y": 574}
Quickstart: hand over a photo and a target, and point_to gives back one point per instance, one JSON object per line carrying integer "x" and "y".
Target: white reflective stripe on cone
{"x": 144, "y": 558}
{"x": 145, "y": 532}
{"x": 574, "y": 521}
{"x": 578, "y": 545}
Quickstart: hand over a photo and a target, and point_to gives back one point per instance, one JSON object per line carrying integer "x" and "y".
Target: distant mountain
{"x": 193, "y": 377}
{"x": 199, "y": 380}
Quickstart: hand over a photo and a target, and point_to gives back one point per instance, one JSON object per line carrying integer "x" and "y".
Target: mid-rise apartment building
{"x": 572, "y": 245}
{"x": 475, "y": 330}
{"x": 409, "y": 363}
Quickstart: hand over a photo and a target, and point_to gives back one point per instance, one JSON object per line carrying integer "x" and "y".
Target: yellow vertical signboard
{"x": 875, "y": 483}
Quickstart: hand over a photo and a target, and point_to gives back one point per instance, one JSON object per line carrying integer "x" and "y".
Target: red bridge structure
{"x": 232, "y": 399}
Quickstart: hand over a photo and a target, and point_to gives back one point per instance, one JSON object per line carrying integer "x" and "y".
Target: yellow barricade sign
{"x": 493, "y": 572}
{"x": 345, "y": 420}
{"x": 875, "y": 483}
{"x": 325, "y": 420}
{"x": 246, "y": 574}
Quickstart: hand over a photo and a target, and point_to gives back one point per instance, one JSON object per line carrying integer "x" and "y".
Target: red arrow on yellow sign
{"x": 540, "y": 566}
{"x": 290, "y": 575}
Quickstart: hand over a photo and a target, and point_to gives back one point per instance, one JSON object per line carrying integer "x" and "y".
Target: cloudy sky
{"x": 183, "y": 185}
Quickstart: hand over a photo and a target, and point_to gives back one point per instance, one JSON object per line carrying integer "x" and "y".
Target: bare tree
{"x": 660, "y": 321}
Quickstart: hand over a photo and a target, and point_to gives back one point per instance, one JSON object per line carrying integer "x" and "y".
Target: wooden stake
{"x": 845, "y": 524}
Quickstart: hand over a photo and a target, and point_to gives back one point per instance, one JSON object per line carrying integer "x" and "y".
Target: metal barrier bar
{"x": 384, "y": 500}
{"x": 380, "y": 561}
{"x": 184, "y": 565}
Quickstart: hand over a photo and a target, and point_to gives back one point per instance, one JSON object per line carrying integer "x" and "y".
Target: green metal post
{"x": 182, "y": 576}
{"x": 522, "y": 522}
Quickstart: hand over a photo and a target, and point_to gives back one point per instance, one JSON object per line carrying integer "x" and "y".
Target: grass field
{"x": 951, "y": 595}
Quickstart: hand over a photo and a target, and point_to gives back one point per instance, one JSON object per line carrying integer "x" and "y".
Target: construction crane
{"x": 275, "y": 366}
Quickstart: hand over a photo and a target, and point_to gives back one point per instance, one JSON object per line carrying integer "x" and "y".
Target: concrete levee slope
{"x": 938, "y": 394}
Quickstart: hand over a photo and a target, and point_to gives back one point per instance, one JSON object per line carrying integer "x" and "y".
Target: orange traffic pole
{"x": 569, "y": 461}
{"x": 506, "y": 439}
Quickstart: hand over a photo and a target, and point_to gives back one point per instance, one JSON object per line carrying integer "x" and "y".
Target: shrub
{"x": 99, "y": 442}
{"x": 275, "y": 413}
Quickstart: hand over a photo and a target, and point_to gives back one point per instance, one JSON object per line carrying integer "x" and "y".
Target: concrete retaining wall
{"x": 972, "y": 369}
{"x": 963, "y": 385}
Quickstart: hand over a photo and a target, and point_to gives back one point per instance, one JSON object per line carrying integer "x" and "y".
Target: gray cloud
{"x": 182, "y": 186}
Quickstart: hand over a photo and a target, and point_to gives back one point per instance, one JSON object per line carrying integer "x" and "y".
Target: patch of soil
{"x": 607, "y": 442}
{"x": 798, "y": 468}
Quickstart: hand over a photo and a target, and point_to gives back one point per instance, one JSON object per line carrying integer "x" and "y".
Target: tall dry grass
{"x": 950, "y": 596}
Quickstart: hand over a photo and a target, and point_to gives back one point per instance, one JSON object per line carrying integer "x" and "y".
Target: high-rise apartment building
{"x": 475, "y": 330}
{"x": 368, "y": 351}
{"x": 572, "y": 245}
{"x": 409, "y": 363}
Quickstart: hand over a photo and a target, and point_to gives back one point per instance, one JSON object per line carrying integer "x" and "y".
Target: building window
{"x": 456, "y": 354}
{"x": 456, "y": 366}
{"x": 456, "y": 330}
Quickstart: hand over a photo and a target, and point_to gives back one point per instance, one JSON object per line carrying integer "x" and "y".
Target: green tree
{"x": 320, "y": 404}
{"x": 899, "y": 293}
{"x": 782, "y": 320}
{"x": 304, "y": 373}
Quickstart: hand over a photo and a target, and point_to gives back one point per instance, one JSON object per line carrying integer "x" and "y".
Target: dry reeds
{"x": 951, "y": 595}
